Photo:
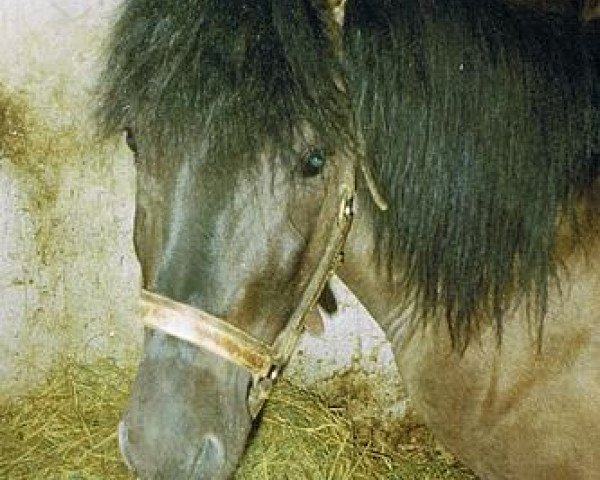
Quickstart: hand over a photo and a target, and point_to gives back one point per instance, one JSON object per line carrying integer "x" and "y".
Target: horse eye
{"x": 313, "y": 163}
{"x": 130, "y": 139}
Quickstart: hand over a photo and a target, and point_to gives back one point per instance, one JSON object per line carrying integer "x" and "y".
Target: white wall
{"x": 68, "y": 275}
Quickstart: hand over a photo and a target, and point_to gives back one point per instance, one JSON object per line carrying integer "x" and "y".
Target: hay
{"x": 66, "y": 430}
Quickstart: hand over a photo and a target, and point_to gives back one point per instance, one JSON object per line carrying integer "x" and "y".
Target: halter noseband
{"x": 264, "y": 362}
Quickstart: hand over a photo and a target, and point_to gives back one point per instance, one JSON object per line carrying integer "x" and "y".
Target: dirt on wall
{"x": 30, "y": 150}
{"x": 66, "y": 232}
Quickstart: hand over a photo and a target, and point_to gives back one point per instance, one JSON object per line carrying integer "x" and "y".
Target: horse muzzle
{"x": 263, "y": 362}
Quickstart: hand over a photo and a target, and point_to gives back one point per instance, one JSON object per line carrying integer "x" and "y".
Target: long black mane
{"x": 479, "y": 120}
{"x": 481, "y": 125}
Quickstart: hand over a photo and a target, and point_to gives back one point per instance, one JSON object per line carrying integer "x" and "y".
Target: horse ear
{"x": 590, "y": 10}
{"x": 314, "y": 321}
{"x": 327, "y": 300}
{"x": 338, "y": 7}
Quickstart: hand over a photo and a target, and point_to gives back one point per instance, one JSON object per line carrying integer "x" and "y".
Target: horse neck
{"x": 370, "y": 280}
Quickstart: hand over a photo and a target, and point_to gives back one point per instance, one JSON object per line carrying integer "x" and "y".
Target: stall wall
{"x": 68, "y": 276}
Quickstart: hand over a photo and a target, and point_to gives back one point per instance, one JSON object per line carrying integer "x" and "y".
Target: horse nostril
{"x": 210, "y": 458}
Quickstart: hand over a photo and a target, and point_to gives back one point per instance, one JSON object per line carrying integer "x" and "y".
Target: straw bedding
{"x": 66, "y": 430}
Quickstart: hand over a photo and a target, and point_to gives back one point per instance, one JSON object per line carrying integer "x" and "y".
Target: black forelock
{"x": 234, "y": 75}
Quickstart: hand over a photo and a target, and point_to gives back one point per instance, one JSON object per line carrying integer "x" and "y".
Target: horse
{"x": 440, "y": 156}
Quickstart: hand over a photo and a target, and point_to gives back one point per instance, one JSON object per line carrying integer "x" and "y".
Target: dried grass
{"x": 66, "y": 430}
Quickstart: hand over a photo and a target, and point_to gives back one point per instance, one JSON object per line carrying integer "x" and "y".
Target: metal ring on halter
{"x": 263, "y": 362}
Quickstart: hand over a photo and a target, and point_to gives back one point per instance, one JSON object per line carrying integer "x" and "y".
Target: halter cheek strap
{"x": 264, "y": 362}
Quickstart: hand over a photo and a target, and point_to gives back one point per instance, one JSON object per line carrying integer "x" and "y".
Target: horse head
{"x": 245, "y": 164}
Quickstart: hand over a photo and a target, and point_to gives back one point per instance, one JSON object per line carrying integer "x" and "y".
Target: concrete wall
{"x": 68, "y": 275}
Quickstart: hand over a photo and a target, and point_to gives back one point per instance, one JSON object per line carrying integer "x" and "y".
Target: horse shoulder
{"x": 515, "y": 412}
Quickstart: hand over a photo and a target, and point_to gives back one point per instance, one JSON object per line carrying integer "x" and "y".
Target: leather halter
{"x": 264, "y": 362}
